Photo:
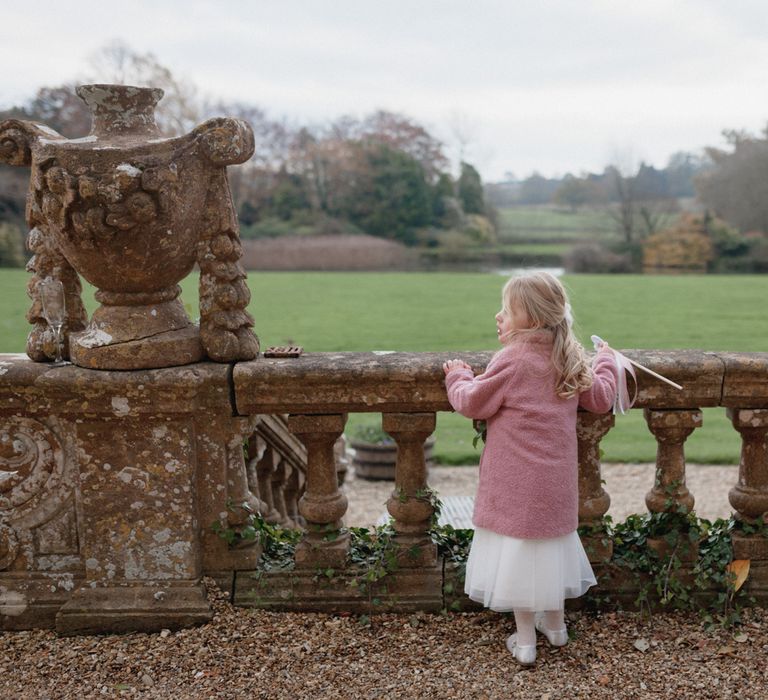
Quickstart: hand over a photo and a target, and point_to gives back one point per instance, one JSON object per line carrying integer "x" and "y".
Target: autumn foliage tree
{"x": 383, "y": 174}
{"x": 684, "y": 246}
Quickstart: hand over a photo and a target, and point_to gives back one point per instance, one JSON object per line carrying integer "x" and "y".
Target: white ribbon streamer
{"x": 623, "y": 403}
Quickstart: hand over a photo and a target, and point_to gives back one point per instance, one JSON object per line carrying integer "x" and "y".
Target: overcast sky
{"x": 556, "y": 87}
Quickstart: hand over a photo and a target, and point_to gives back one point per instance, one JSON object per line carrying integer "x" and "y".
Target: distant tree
{"x": 470, "y": 190}
{"x": 625, "y": 212}
{"x": 537, "y": 189}
{"x": 116, "y": 62}
{"x": 650, "y": 183}
{"x": 681, "y": 169}
{"x": 641, "y": 206}
{"x": 394, "y": 199}
{"x": 735, "y": 188}
{"x": 403, "y": 134}
{"x": 61, "y": 109}
{"x": 575, "y": 192}
{"x": 443, "y": 194}
{"x": 289, "y": 196}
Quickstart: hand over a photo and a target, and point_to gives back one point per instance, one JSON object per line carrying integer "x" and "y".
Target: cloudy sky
{"x": 553, "y": 86}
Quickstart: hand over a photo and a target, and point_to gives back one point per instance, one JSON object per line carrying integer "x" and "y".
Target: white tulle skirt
{"x": 506, "y": 573}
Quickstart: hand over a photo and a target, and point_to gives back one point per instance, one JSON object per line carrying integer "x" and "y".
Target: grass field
{"x": 454, "y": 311}
{"x": 529, "y": 223}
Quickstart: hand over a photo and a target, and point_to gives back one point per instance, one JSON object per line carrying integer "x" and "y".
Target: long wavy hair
{"x": 545, "y": 301}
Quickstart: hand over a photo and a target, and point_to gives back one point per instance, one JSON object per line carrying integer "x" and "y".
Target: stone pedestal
{"x": 139, "y": 521}
{"x": 105, "y": 494}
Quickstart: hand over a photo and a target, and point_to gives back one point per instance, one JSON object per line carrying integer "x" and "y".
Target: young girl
{"x": 526, "y": 555}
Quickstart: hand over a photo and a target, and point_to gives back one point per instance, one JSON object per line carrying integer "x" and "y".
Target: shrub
{"x": 684, "y": 246}
{"x": 595, "y": 258}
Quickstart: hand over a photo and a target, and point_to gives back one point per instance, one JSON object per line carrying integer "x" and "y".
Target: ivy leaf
{"x": 740, "y": 570}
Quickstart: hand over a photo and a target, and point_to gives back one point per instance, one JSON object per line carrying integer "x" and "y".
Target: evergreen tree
{"x": 393, "y": 198}
{"x": 470, "y": 188}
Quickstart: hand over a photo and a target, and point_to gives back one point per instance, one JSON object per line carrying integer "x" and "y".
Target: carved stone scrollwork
{"x": 31, "y": 466}
{"x": 48, "y": 261}
{"x": 16, "y": 138}
{"x": 226, "y": 328}
{"x": 9, "y": 546}
{"x": 32, "y": 485}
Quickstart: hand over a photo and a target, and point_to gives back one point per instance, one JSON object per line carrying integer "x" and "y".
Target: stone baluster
{"x": 749, "y": 497}
{"x": 255, "y": 451}
{"x": 264, "y": 470}
{"x": 670, "y": 428}
{"x": 292, "y": 493}
{"x": 237, "y": 476}
{"x": 279, "y": 478}
{"x": 594, "y": 502}
{"x": 409, "y": 503}
{"x": 323, "y": 505}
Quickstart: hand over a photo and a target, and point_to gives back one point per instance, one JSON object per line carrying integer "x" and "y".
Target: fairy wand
{"x": 623, "y": 402}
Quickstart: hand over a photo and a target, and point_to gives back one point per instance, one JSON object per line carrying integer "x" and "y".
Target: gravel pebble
{"x": 626, "y": 484}
{"x": 270, "y": 656}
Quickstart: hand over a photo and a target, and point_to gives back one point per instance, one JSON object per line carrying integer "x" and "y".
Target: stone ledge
{"x": 309, "y": 590}
{"x": 37, "y": 388}
{"x": 356, "y": 382}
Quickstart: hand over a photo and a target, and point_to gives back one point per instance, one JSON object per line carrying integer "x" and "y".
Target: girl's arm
{"x": 600, "y": 396}
{"x": 478, "y": 397}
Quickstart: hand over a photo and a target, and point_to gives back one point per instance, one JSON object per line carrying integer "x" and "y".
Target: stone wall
{"x": 110, "y": 481}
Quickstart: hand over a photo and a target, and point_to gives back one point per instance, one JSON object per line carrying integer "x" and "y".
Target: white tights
{"x": 554, "y": 620}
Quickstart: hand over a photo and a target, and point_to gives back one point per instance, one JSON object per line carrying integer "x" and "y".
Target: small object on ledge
{"x": 284, "y": 351}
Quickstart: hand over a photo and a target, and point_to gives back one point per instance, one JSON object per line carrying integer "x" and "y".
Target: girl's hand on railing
{"x": 455, "y": 364}
{"x": 603, "y": 348}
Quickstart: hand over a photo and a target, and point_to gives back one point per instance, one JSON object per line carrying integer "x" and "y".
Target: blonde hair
{"x": 545, "y": 302}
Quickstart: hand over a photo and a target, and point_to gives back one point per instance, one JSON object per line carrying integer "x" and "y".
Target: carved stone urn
{"x": 133, "y": 212}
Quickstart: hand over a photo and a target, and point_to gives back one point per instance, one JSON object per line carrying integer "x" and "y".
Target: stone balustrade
{"x": 109, "y": 481}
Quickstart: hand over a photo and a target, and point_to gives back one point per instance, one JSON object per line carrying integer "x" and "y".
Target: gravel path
{"x": 627, "y": 485}
{"x": 271, "y": 656}
{"x": 275, "y": 656}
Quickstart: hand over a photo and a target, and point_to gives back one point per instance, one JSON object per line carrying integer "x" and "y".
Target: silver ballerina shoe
{"x": 557, "y": 638}
{"x": 524, "y": 653}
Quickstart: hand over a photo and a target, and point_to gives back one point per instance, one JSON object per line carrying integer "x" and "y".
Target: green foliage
{"x": 443, "y": 194}
{"x": 278, "y": 544}
{"x": 372, "y": 555}
{"x": 685, "y": 569}
{"x": 735, "y": 187}
{"x": 394, "y": 199}
{"x": 575, "y": 192}
{"x": 470, "y": 190}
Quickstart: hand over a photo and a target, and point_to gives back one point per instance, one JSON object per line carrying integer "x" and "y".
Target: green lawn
{"x": 454, "y": 311}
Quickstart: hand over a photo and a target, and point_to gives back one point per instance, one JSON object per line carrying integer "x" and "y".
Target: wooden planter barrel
{"x": 376, "y": 461}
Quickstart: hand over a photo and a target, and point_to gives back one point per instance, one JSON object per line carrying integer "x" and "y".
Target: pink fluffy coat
{"x": 528, "y": 484}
